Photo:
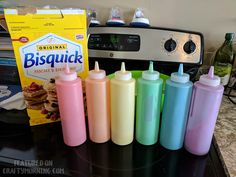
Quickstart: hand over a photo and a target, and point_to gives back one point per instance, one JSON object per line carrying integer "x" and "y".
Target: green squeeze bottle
{"x": 224, "y": 59}
{"x": 148, "y": 107}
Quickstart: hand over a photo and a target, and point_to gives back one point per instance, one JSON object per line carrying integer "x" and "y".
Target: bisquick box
{"x": 43, "y": 41}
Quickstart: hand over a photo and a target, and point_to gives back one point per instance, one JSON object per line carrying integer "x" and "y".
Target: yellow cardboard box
{"x": 43, "y": 41}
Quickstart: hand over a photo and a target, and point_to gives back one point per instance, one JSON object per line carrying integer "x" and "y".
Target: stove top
{"x": 44, "y": 144}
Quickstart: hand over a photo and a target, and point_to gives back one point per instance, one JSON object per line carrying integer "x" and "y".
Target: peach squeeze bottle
{"x": 98, "y": 105}
{"x": 122, "y": 107}
{"x": 71, "y": 107}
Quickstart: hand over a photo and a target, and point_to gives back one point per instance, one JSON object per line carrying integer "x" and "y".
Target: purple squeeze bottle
{"x": 205, "y": 104}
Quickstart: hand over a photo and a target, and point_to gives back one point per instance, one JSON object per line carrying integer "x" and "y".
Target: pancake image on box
{"x": 51, "y": 104}
{"x": 35, "y": 95}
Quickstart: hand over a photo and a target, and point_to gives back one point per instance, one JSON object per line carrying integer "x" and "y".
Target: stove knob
{"x": 189, "y": 47}
{"x": 170, "y": 45}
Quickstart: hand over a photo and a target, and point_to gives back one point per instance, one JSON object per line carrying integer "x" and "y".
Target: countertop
{"x": 106, "y": 159}
{"x": 225, "y": 135}
{"x": 44, "y": 143}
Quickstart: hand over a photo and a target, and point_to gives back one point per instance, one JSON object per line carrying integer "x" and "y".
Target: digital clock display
{"x": 114, "y": 38}
{"x": 114, "y": 42}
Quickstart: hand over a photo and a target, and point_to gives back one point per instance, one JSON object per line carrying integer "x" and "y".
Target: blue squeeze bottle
{"x": 178, "y": 93}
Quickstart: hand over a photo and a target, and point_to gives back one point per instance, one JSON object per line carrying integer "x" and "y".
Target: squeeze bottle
{"x": 122, "y": 107}
{"x": 98, "y": 105}
{"x": 149, "y": 94}
{"x": 178, "y": 93}
{"x": 71, "y": 107}
{"x": 205, "y": 104}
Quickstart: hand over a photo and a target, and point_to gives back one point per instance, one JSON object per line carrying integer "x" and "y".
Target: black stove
{"x": 44, "y": 144}
{"x": 167, "y": 48}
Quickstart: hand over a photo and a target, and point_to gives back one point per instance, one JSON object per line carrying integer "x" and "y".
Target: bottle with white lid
{"x": 122, "y": 107}
{"x": 98, "y": 105}
{"x": 205, "y": 104}
{"x": 148, "y": 106}
{"x": 178, "y": 91}
{"x": 71, "y": 107}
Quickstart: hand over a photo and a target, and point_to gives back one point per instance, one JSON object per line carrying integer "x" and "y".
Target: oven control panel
{"x": 114, "y": 42}
{"x": 157, "y": 44}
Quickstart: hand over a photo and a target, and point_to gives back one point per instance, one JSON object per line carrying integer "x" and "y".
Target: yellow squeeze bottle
{"x": 122, "y": 107}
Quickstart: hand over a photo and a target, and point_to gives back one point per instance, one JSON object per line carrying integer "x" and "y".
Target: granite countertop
{"x": 225, "y": 135}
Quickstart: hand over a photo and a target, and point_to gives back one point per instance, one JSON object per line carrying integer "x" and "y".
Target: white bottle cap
{"x": 180, "y": 76}
{"x": 97, "y": 73}
{"x": 123, "y": 74}
{"x": 68, "y": 75}
{"x": 210, "y": 79}
{"x": 150, "y": 74}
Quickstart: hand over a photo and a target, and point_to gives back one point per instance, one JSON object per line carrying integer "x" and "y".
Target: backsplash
{"x": 203, "y": 16}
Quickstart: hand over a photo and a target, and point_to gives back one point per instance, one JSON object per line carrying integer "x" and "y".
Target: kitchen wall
{"x": 211, "y": 17}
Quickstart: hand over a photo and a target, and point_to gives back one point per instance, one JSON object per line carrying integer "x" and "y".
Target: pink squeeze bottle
{"x": 205, "y": 104}
{"x": 71, "y": 107}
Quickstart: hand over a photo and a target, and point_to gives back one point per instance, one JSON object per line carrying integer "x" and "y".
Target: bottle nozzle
{"x": 97, "y": 73}
{"x": 67, "y": 68}
{"x": 210, "y": 79}
{"x": 150, "y": 74}
{"x": 211, "y": 72}
{"x": 181, "y": 69}
{"x": 151, "y": 67}
{"x": 123, "y": 74}
{"x": 68, "y": 75}
{"x": 123, "y": 67}
{"x": 180, "y": 76}
{"x": 96, "y": 68}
